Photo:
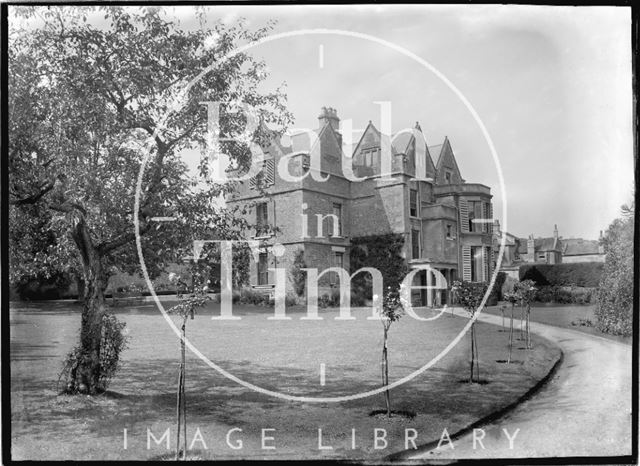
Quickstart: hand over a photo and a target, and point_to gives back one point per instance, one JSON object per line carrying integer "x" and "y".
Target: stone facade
{"x": 446, "y": 222}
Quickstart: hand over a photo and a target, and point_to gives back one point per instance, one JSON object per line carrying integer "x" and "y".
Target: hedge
{"x": 585, "y": 274}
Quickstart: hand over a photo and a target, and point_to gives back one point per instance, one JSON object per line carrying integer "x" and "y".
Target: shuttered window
{"x": 466, "y": 263}
{"x": 464, "y": 216}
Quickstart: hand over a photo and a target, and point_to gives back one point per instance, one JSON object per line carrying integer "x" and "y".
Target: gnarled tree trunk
{"x": 85, "y": 376}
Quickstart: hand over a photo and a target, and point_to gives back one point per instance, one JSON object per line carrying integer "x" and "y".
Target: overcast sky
{"x": 552, "y": 85}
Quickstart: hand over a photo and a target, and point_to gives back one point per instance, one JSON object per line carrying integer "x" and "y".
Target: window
{"x": 262, "y": 219}
{"x": 476, "y": 264}
{"x": 447, "y": 177}
{"x": 413, "y": 202}
{"x": 266, "y": 176}
{"x": 448, "y": 231}
{"x": 475, "y": 212}
{"x": 542, "y": 256}
{"x": 263, "y": 269}
{"x": 370, "y": 157}
{"x": 415, "y": 244}
{"x": 337, "y": 261}
{"x": 337, "y": 211}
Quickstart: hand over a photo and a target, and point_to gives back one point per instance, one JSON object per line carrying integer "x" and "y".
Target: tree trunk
{"x": 385, "y": 374}
{"x": 510, "y": 337}
{"x": 85, "y": 376}
{"x": 528, "y": 327}
{"x": 473, "y": 354}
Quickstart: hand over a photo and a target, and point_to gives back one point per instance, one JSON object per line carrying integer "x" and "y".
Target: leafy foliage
{"x": 469, "y": 294}
{"x": 614, "y": 312}
{"x": 87, "y": 107}
{"x": 587, "y": 274}
{"x": 384, "y": 252}
{"x": 298, "y": 276}
{"x": 113, "y": 343}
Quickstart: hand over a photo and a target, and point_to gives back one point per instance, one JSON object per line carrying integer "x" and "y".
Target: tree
{"x": 391, "y": 312}
{"x": 87, "y": 104}
{"x": 512, "y": 297}
{"x": 614, "y": 310}
{"x": 470, "y": 295}
{"x": 192, "y": 296}
{"x": 526, "y": 291}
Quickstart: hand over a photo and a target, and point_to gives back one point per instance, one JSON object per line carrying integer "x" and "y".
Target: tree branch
{"x": 44, "y": 189}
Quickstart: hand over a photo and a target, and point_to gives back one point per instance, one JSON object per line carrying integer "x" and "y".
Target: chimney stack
{"x": 328, "y": 115}
{"x": 531, "y": 247}
{"x": 555, "y": 232}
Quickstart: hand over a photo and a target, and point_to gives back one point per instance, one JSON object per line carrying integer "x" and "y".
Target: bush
{"x": 298, "y": 276}
{"x": 383, "y": 252}
{"x": 614, "y": 313}
{"x": 586, "y": 274}
{"x": 329, "y": 300}
{"x": 496, "y": 291}
{"x": 564, "y": 295}
{"x": 251, "y": 296}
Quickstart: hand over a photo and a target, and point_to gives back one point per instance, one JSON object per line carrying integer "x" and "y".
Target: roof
{"x": 579, "y": 246}
{"x": 401, "y": 142}
{"x": 437, "y": 149}
{"x": 540, "y": 245}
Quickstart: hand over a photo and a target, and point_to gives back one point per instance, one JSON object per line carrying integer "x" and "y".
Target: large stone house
{"x": 445, "y": 221}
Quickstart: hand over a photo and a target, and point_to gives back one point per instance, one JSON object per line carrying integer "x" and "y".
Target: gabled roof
{"x": 446, "y": 154}
{"x": 579, "y": 246}
{"x": 407, "y": 143}
{"x": 541, "y": 245}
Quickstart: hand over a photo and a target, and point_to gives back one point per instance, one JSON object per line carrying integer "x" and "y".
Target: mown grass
{"x": 282, "y": 356}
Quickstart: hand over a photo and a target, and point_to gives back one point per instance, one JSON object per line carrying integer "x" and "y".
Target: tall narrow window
{"x": 263, "y": 269}
{"x": 413, "y": 202}
{"x": 337, "y": 261}
{"x": 475, "y": 212}
{"x": 448, "y": 231}
{"x": 337, "y": 211}
{"x": 476, "y": 264}
{"x": 415, "y": 244}
{"x": 447, "y": 177}
{"x": 262, "y": 219}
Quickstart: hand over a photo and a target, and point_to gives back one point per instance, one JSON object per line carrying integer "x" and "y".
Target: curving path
{"x": 583, "y": 410}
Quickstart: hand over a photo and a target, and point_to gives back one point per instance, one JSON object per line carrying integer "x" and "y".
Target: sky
{"x": 551, "y": 84}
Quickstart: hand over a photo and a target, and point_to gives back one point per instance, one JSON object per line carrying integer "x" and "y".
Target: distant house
{"x": 545, "y": 250}
{"x": 582, "y": 250}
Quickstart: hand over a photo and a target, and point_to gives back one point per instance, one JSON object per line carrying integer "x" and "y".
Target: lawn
{"x": 283, "y": 356}
{"x": 576, "y": 317}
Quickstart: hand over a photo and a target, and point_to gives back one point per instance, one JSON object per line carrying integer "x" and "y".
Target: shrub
{"x": 383, "y": 252}
{"x": 614, "y": 312}
{"x": 586, "y": 274}
{"x": 564, "y": 295}
{"x": 298, "y": 276}
{"x": 496, "y": 291}
{"x": 251, "y": 296}
{"x": 329, "y": 300}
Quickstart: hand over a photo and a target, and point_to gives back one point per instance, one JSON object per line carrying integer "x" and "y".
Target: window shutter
{"x": 466, "y": 263}
{"x": 269, "y": 172}
{"x": 490, "y": 205}
{"x": 272, "y": 213}
{"x": 464, "y": 216}
{"x": 485, "y": 264}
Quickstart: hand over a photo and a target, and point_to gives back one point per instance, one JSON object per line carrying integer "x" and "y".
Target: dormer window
{"x": 447, "y": 177}
{"x": 370, "y": 157}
